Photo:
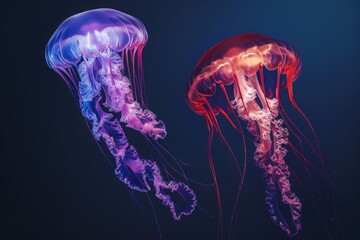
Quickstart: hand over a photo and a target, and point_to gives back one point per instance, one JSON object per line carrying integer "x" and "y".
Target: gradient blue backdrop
{"x": 56, "y": 184}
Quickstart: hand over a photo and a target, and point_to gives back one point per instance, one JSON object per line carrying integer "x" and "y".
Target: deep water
{"x": 55, "y": 182}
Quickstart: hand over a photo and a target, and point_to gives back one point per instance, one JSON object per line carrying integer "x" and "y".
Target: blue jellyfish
{"x": 98, "y": 53}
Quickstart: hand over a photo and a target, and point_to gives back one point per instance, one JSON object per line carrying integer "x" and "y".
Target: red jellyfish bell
{"x": 241, "y": 78}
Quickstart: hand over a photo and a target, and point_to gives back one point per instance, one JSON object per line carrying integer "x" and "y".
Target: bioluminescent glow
{"x": 99, "y": 55}
{"x": 240, "y": 78}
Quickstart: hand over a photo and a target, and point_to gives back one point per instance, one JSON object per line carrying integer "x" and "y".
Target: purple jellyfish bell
{"x": 99, "y": 55}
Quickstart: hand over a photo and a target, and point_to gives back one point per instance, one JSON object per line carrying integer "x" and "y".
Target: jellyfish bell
{"x": 232, "y": 79}
{"x": 92, "y": 32}
{"x": 98, "y": 53}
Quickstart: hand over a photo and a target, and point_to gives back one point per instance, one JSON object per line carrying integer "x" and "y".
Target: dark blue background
{"x": 55, "y": 182}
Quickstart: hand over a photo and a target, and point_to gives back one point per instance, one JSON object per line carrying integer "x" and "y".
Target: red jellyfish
{"x": 240, "y": 78}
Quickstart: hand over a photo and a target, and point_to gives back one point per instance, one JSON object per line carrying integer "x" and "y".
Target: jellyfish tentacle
{"x": 282, "y": 175}
{"x": 87, "y": 93}
{"x": 135, "y": 172}
{"x": 118, "y": 88}
{"x": 129, "y": 168}
{"x": 161, "y": 191}
{"x": 276, "y": 176}
{"x": 270, "y": 138}
{"x": 143, "y": 120}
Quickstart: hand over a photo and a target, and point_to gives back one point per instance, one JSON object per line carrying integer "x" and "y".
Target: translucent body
{"x": 243, "y": 55}
{"x": 232, "y": 79}
{"x": 98, "y": 54}
{"x": 92, "y": 32}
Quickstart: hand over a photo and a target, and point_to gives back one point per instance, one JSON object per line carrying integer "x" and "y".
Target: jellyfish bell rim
{"x": 286, "y": 61}
{"x": 62, "y": 50}
{"x": 282, "y": 59}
